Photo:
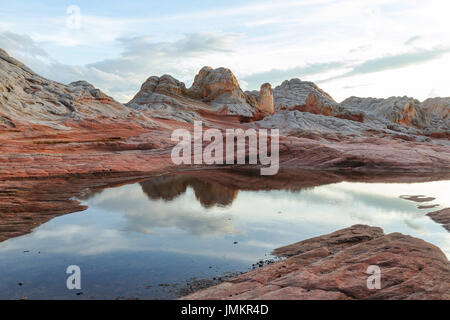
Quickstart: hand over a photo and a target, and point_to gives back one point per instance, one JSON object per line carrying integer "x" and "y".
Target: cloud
{"x": 312, "y": 39}
{"x": 21, "y": 45}
{"x": 266, "y": 7}
{"x": 141, "y": 55}
{"x": 122, "y": 77}
{"x": 276, "y": 76}
{"x": 412, "y": 40}
{"x": 392, "y": 62}
{"x": 145, "y": 215}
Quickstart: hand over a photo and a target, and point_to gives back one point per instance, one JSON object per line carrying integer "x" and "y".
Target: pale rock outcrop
{"x": 293, "y": 93}
{"x": 306, "y": 96}
{"x": 403, "y": 111}
{"x": 164, "y": 85}
{"x": 402, "y": 114}
{"x": 102, "y": 136}
{"x": 83, "y": 86}
{"x": 214, "y": 90}
{"x": 294, "y": 122}
{"x": 26, "y": 97}
{"x": 265, "y": 99}
{"x": 438, "y": 106}
{"x": 166, "y": 97}
{"x": 441, "y": 216}
{"x": 303, "y": 108}
{"x": 335, "y": 266}
{"x": 439, "y": 109}
{"x": 209, "y": 84}
{"x": 220, "y": 89}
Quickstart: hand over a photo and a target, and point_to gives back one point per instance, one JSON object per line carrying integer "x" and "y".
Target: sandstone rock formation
{"x": 49, "y": 129}
{"x": 210, "y": 84}
{"x": 220, "y": 89}
{"x": 25, "y": 97}
{"x": 334, "y": 266}
{"x": 438, "y": 106}
{"x": 442, "y": 217}
{"x": 398, "y": 110}
{"x": 297, "y": 107}
{"x": 294, "y": 92}
{"x": 395, "y": 113}
{"x": 166, "y": 97}
{"x": 306, "y": 96}
{"x": 302, "y": 106}
{"x": 214, "y": 90}
{"x": 265, "y": 99}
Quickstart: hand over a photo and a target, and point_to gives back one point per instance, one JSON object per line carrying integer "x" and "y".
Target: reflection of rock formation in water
{"x": 417, "y": 198}
{"x": 26, "y": 204}
{"x": 442, "y": 217}
{"x": 147, "y": 214}
{"x": 207, "y": 193}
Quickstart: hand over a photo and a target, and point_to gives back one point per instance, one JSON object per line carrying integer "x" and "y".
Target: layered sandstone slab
{"x": 442, "y": 217}
{"x": 438, "y": 106}
{"x": 27, "y": 98}
{"x": 334, "y": 266}
{"x": 166, "y": 97}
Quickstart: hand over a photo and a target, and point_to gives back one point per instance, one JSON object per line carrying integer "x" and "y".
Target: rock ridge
{"x": 334, "y": 266}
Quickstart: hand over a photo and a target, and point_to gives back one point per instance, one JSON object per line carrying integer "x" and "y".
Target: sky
{"x": 371, "y": 48}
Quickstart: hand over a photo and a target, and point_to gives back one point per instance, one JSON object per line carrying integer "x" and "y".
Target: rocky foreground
{"x": 334, "y": 266}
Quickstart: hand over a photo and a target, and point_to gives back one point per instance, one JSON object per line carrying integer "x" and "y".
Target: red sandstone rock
{"x": 49, "y": 129}
{"x": 442, "y": 217}
{"x": 334, "y": 267}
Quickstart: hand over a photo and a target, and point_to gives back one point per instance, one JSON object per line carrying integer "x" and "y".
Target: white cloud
{"x": 274, "y": 40}
{"x": 122, "y": 77}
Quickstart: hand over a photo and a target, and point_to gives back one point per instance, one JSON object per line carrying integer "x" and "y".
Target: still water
{"x": 151, "y": 240}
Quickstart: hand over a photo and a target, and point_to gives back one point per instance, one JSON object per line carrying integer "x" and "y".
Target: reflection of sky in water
{"x": 125, "y": 241}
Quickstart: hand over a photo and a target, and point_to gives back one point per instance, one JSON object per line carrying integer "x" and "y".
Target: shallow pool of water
{"x": 149, "y": 240}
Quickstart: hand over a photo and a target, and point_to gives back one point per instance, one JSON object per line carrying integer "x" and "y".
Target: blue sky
{"x": 363, "y": 48}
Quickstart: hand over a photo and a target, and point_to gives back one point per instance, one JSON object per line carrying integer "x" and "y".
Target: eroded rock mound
{"x": 214, "y": 90}
{"x": 220, "y": 89}
{"x": 442, "y": 217}
{"x": 334, "y": 266}
{"x": 167, "y": 98}
{"x": 294, "y": 92}
{"x": 306, "y": 96}
{"x": 439, "y": 110}
{"x": 265, "y": 99}
{"x": 165, "y": 85}
{"x": 25, "y": 97}
{"x": 300, "y": 107}
{"x": 403, "y": 111}
{"x": 438, "y": 106}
